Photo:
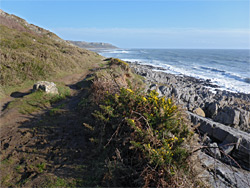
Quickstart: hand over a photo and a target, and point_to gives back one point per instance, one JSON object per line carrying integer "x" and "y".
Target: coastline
{"x": 222, "y": 119}
{"x": 225, "y": 68}
{"x": 232, "y": 109}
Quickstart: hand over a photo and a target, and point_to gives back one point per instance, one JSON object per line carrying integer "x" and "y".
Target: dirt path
{"x": 46, "y": 148}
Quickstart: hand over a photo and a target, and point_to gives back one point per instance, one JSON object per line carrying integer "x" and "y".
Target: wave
{"x": 190, "y": 66}
{"x": 119, "y": 52}
{"x": 227, "y": 74}
{"x": 233, "y": 83}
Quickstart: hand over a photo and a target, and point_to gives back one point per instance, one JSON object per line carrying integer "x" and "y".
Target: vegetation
{"x": 136, "y": 138}
{"x": 39, "y": 100}
{"x": 28, "y": 56}
{"x": 140, "y": 139}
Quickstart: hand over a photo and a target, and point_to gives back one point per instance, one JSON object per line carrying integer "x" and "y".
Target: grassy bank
{"x": 27, "y": 57}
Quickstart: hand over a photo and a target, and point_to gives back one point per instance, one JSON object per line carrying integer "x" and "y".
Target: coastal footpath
{"x": 222, "y": 121}
{"x": 98, "y": 128}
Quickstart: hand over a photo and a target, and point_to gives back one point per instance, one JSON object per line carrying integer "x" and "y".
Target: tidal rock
{"x": 47, "y": 87}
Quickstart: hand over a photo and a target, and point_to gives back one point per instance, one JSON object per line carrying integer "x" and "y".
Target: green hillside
{"x": 29, "y": 53}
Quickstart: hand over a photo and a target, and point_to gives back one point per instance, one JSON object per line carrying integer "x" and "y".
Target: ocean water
{"x": 229, "y": 69}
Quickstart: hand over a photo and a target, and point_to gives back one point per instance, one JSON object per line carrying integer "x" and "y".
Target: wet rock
{"x": 47, "y": 87}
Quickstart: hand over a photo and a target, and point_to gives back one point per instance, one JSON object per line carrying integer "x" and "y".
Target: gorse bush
{"x": 143, "y": 137}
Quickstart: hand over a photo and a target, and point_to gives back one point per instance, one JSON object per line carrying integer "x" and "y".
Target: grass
{"x": 19, "y": 168}
{"x": 7, "y": 161}
{"x": 39, "y": 100}
{"x": 41, "y": 167}
{"x": 27, "y": 57}
{"x": 59, "y": 182}
{"x": 56, "y": 110}
{"x": 5, "y": 179}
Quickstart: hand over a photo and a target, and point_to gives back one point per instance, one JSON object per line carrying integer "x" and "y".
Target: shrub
{"x": 143, "y": 137}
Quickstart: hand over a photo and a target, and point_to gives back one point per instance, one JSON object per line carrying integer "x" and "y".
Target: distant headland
{"x": 93, "y": 45}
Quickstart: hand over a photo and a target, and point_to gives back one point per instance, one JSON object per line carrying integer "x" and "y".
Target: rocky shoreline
{"x": 200, "y": 96}
{"x": 223, "y": 120}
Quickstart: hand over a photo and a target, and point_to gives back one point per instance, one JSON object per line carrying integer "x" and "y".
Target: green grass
{"x": 7, "y": 161}
{"x": 59, "y": 182}
{"x": 56, "y": 110}
{"x": 41, "y": 167}
{"x": 39, "y": 100}
{"x": 5, "y": 179}
{"x": 19, "y": 168}
{"x": 27, "y": 56}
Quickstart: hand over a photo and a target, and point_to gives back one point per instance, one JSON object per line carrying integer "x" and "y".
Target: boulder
{"x": 212, "y": 109}
{"x": 228, "y": 116}
{"x": 199, "y": 112}
{"x": 47, "y": 87}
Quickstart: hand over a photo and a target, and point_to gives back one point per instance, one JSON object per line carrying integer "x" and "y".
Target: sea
{"x": 228, "y": 69}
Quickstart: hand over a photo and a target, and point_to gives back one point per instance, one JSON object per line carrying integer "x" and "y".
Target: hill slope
{"x": 29, "y": 52}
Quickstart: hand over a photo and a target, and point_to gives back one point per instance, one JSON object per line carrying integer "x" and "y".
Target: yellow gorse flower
{"x": 169, "y": 101}
{"x": 129, "y": 90}
{"x": 144, "y": 99}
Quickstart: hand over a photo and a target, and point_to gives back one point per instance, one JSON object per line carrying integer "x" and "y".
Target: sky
{"x": 198, "y": 24}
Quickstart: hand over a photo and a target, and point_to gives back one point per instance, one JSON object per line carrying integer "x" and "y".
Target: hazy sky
{"x": 142, "y": 23}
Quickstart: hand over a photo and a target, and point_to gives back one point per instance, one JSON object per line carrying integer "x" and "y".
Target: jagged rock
{"x": 47, "y": 87}
{"x": 212, "y": 109}
{"x": 193, "y": 93}
{"x": 199, "y": 112}
{"x": 226, "y": 107}
{"x": 228, "y": 116}
{"x": 153, "y": 87}
{"x": 223, "y": 133}
{"x": 244, "y": 119}
{"x": 214, "y": 150}
{"x": 221, "y": 175}
{"x": 206, "y": 140}
{"x": 227, "y": 148}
